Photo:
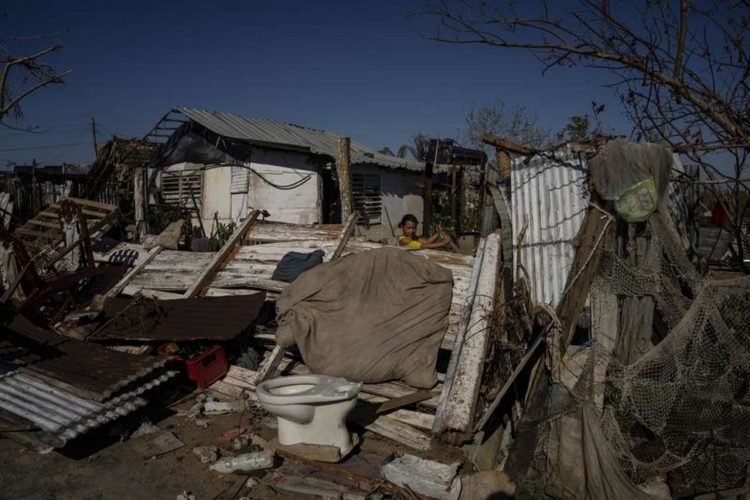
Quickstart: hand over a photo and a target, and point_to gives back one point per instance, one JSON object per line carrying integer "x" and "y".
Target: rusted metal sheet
{"x": 549, "y": 192}
{"x": 55, "y": 415}
{"x": 201, "y": 318}
{"x": 89, "y": 370}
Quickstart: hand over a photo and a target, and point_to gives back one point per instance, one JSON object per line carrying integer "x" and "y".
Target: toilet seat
{"x": 325, "y": 390}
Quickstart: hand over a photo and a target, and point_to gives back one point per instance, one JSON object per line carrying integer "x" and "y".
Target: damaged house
{"x": 219, "y": 166}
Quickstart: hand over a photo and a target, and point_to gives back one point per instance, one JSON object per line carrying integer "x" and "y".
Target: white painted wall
{"x": 300, "y": 205}
{"x": 402, "y": 194}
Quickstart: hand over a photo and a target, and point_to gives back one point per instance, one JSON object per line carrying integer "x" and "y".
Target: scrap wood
{"x": 595, "y": 235}
{"x": 460, "y": 336}
{"x": 221, "y": 256}
{"x": 400, "y": 402}
{"x": 464, "y": 392}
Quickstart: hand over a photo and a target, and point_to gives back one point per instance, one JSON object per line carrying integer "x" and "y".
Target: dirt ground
{"x": 106, "y": 464}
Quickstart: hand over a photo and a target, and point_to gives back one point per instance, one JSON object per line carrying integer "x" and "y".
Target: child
{"x": 410, "y": 240}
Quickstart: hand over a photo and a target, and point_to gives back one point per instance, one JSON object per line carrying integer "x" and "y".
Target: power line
{"x": 51, "y": 146}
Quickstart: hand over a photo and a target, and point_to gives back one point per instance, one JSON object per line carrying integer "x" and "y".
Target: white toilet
{"x": 310, "y": 409}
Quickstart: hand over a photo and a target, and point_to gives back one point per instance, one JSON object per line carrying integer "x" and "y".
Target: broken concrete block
{"x": 425, "y": 477}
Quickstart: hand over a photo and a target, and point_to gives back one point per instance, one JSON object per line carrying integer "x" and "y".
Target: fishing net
{"x": 670, "y": 396}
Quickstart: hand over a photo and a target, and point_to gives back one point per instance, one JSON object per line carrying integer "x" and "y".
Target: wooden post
{"x": 490, "y": 220}
{"x": 427, "y": 199}
{"x": 343, "y": 165}
{"x": 454, "y": 200}
{"x": 139, "y": 202}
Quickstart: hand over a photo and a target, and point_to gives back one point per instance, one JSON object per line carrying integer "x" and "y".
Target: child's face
{"x": 410, "y": 229}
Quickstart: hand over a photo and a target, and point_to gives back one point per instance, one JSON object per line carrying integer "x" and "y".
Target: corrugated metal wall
{"x": 549, "y": 191}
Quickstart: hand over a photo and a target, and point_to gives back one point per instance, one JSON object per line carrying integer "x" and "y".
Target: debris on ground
{"x": 586, "y": 348}
{"x": 245, "y": 462}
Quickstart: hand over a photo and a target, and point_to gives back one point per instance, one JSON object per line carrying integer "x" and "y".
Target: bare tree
{"x": 509, "y": 122}
{"x": 680, "y": 68}
{"x": 417, "y": 149}
{"x": 24, "y": 73}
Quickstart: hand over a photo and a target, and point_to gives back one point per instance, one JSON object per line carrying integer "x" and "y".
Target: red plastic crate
{"x": 207, "y": 367}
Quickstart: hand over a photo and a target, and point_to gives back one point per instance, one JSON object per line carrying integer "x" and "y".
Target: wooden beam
{"x": 221, "y": 256}
{"x": 228, "y": 280}
{"x": 409, "y": 399}
{"x": 460, "y": 338}
{"x": 427, "y": 197}
{"x": 139, "y": 203}
{"x": 467, "y": 380}
{"x": 343, "y": 168}
{"x": 595, "y": 234}
{"x": 507, "y": 145}
{"x": 346, "y": 233}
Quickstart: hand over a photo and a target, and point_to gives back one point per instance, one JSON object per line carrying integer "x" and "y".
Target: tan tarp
{"x": 380, "y": 315}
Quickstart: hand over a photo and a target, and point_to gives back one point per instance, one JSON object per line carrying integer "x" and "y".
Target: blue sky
{"x": 352, "y": 67}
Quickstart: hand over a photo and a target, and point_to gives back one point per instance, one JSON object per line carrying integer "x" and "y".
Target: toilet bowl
{"x": 310, "y": 409}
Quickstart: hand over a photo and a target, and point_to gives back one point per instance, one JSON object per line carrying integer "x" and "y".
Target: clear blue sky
{"x": 352, "y": 67}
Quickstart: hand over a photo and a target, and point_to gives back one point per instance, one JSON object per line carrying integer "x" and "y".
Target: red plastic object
{"x": 207, "y": 367}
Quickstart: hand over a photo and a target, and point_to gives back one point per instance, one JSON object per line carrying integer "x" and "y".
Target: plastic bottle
{"x": 245, "y": 462}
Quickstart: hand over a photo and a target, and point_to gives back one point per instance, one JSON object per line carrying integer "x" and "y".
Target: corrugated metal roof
{"x": 549, "y": 191}
{"x": 57, "y": 414}
{"x": 285, "y": 135}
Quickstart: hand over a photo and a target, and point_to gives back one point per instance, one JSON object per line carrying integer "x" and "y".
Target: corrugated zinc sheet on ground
{"x": 55, "y": 415}
{"x": 90, "y": 370}
{"x": 549, "y": 192}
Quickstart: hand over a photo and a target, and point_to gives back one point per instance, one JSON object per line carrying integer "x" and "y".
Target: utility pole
{"x": 93, "y": 137}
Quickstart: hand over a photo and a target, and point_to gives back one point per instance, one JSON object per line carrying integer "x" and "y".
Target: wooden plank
{"x": 105, "y": 207}
{"x": 464, "y": 391}
{"x": 396, "y": 431}
{"x": 346, "y": 233}
{"x": 416, "y": 419}
{"x": 268, "y": 368}
{"x": 460, "y": 337}
{"x": 408, "y": 399}
{"x": 35, "y": 234}
{"x": 595, "y": 234}
{"x": 227, "y": 389}
{"x": 221, "y": 256}
{"x": 43, "y": 224}
{"x": 228, "y": 280}
{"x": 507, "y": 145}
